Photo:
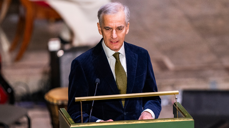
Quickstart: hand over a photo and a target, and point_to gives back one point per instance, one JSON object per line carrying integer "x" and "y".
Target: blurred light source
{"x": 60, "y": 53}
{"x": 54, "y": 44}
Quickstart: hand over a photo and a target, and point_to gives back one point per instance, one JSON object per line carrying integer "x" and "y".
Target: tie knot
{"x": 116, "y": 55}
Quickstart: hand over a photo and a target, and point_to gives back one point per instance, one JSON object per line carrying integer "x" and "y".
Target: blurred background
{"x": 188, "y": 42}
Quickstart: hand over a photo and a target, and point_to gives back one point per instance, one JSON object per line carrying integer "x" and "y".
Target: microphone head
{"x": 97, "y": 80}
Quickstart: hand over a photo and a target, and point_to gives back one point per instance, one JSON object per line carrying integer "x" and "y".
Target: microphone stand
{"x": 97, "y": 81}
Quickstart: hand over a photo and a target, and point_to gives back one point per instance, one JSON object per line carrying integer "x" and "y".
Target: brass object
{"x": 180, "y": 122}
{"x": 123, "y": 96}
{"x": 186, "y": 120}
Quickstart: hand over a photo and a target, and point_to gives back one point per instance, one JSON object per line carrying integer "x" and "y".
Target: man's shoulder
{"x": 89, "y": 55}
{"x": 136, "y": 49}
{"x": 84, "y": 56}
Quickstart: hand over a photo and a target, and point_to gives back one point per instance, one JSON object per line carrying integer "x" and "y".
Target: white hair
{"x": 113, "y": 8}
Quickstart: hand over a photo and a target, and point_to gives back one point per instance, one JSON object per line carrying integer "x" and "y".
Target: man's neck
{"x": 110, "y": 52}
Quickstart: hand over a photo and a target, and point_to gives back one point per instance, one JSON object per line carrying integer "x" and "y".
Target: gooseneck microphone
{"x": 97, "y": 81}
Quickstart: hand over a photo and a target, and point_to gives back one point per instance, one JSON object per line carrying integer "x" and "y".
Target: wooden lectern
{"x": 182, "y": 119}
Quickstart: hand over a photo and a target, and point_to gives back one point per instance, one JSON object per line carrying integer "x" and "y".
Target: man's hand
{"x": 106, "y": 120}
{"x": 145, "y": 115}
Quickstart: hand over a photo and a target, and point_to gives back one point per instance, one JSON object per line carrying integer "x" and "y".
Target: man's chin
{"x": 116, "y": 49}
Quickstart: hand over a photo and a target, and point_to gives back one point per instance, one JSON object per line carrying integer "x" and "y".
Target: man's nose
{"x": 114, "y": 34}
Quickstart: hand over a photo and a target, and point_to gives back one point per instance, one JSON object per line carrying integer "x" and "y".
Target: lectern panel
{"x": 182, "y": 119}
{"x": 182, "y": 122}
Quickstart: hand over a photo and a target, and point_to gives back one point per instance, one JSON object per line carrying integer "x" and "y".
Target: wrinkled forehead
{"x": 114, "y": 19}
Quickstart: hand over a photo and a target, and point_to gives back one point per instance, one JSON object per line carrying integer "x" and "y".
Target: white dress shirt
{"x": 111, "y": 60}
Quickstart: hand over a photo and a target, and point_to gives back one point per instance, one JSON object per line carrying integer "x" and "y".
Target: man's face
{"x": 114, "y": 30}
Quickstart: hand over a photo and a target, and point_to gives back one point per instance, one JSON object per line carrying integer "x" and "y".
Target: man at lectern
{"x": 121, "y": 68}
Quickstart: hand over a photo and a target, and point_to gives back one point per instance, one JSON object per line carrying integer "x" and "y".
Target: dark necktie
{"x": 120, "y": 74}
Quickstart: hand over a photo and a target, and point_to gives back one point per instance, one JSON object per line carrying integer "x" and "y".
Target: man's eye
{"x": 107, "y": 28}
{"x": 120, "y": 28}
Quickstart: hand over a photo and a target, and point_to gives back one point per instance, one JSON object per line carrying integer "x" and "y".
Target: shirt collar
{"x": 109, "y": 53}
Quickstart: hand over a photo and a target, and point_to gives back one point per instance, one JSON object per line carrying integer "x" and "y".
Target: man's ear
{"x": 127, "y": 27}
{"x": 99, "y": 28}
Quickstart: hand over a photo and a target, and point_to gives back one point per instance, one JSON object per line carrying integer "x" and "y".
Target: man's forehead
{"x": 117, "y": 18}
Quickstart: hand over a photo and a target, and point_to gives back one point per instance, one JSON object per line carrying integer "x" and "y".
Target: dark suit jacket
{"x": 94, "y": 64}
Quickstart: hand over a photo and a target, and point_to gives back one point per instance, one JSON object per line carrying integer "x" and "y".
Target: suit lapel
{"x": 103, "y": 68}
{"x": 131, "y": 62}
